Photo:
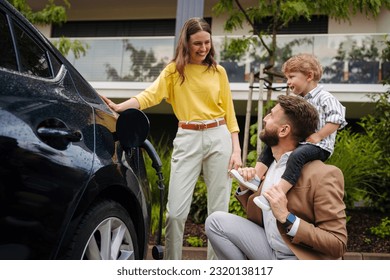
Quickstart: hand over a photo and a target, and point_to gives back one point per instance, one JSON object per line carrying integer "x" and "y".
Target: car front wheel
{"x": 106, "y": 232}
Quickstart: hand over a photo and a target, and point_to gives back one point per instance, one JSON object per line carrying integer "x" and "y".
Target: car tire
{"x": 106, "y": 232}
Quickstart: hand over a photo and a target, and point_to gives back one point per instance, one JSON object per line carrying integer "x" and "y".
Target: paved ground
{"x": 196, "y": 253}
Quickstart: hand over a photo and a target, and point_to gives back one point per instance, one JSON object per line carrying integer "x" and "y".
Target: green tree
{"x": 278, "y": 14}
{"x": 52, "y": 14}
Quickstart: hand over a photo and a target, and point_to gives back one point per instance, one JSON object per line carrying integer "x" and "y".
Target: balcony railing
{"x": 346, "y": 58}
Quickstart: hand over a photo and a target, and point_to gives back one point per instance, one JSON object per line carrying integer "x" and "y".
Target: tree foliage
{"x": 278, "y": 14}
{"x": 52, "y": 14}
{"x": 65, "y": 45}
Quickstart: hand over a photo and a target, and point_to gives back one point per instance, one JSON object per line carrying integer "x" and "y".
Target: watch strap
{"x": 290, "y": 219}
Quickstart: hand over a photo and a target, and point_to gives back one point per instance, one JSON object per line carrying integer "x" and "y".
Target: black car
{"x": 70, "y": 186}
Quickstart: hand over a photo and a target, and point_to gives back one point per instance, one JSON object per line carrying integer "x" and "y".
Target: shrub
{"x": 364, "y": 158}
{"x": 195, "y": 241}
{"x": 377, "y": 128}
{"x": 199, "y": 203}
{"x": 235, "y": 206}
{"x": 198, "y": 210}
{"x": 164, "y": 152}
{"x": 356, "y": 155}
{"x": 155, "y": 219}
{"x": 383, "y": 229}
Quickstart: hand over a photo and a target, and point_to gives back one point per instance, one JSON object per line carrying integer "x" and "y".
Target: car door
{"x": 46, "y": 141}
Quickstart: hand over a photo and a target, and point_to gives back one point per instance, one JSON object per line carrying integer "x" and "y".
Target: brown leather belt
{"x": 201, "y": 126}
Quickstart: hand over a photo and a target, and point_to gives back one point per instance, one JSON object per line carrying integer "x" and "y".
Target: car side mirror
{"x": 132, "y": 128}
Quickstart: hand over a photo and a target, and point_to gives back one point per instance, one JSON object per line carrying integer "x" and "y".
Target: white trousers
{"x": 195, "y": 151}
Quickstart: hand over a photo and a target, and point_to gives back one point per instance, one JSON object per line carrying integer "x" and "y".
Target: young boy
{"x": 303, "y": 72}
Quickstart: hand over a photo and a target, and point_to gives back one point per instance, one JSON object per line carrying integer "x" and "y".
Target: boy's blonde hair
{"x": 304, "y": 63}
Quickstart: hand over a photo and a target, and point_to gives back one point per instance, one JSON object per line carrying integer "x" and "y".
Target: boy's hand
{"x": 278, "y": 202}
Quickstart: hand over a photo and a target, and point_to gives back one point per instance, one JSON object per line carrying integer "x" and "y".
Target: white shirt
{"x": 274, "y": 173}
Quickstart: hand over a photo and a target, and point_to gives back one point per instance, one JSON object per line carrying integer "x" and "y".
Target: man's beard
{"x": 269, "y": 137}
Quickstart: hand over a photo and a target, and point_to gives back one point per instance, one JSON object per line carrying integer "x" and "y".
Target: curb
{"x": 366, "y": 256}
{"x": 200, "y": 253}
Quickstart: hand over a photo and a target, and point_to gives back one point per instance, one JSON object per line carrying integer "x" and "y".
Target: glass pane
{"x": 7, "y": 51}
{"x": 33, "y": 58}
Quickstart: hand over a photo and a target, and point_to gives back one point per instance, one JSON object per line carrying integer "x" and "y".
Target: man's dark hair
{"x": 301, "y": 115}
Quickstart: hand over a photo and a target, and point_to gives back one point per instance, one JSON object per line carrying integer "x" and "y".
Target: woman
{"x": 207, "y": 137}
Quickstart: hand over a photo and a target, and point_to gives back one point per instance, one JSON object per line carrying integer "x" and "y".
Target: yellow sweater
{"x": 204, "y": 95}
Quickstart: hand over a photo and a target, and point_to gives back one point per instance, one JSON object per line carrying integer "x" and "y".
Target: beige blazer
{"x": 317, "y": 199}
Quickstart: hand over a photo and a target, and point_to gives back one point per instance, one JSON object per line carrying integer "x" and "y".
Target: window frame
{"x": 12, "y": 21}
{"x": 9, "y": 27}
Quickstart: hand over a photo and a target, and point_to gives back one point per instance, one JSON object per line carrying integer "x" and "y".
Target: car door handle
{"x": 73, "y": 136}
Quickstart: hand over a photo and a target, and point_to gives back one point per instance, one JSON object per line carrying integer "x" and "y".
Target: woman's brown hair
{"x": 182, "y": 54}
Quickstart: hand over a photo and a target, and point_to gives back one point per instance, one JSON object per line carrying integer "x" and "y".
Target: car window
{"x": 7, "y": 51}
{"x": 33, "y": 59}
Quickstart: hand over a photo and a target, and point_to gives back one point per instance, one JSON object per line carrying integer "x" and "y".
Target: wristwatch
{"x": 289, "y": 221}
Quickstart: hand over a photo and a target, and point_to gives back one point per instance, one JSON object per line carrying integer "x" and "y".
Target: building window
{"x": 116, "y": 28}
{"x": 317, "y": 25}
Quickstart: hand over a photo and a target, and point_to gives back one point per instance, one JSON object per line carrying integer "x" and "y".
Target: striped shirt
{"x": 330, "y": 110}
